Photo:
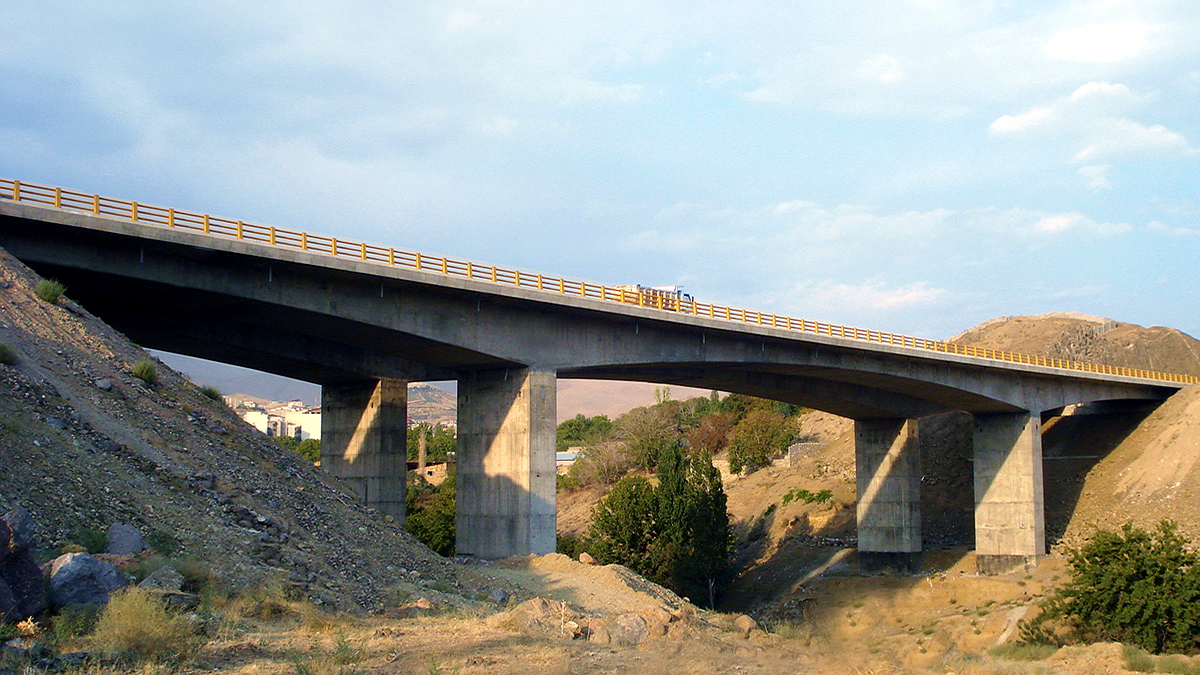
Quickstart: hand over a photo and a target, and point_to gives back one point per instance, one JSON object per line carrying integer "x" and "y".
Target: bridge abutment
{"x": 364, "y": 438}
{"x": 506, "y": 468}
{"x": 887, "y": 461}
{"x": 1010, "y": 530}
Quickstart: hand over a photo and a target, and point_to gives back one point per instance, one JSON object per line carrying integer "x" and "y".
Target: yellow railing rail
{"x": 215, "y": 226}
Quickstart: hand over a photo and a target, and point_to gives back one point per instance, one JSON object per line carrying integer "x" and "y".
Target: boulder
{"x": 21, "y": 574}
{"x": 80, "y": 579}
{"x": 165, "y": 578}
{"x": 24, "y": 531}
{"x": 586, "y": 558}
{"x": 124, "y": 539}
{"x": 627, "y": 630}
{"x": 745, "y": 624}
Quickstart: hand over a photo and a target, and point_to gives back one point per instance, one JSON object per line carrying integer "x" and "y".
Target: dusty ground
{"x": 944, "y": 621}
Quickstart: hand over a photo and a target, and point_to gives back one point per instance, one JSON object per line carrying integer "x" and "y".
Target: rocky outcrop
{"x": 22, "y": 590}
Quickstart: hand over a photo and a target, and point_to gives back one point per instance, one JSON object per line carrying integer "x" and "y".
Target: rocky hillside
{"x": 84, "y": 444}
{"x": 1079, "y": 337}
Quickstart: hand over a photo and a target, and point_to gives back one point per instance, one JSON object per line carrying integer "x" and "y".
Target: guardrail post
{"x": 133, "y": 214}
{"x": 417, "y": 261}
{"x": 58, "y": 198}
{"x": 16, "y": 190}
{"x": 207, "y": 227}
{"x": 170, "y": 217}
{"x": 240, "y": 228}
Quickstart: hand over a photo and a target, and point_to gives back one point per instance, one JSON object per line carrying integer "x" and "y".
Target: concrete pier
{"x": 364, "y": 436}
{"x": 506, "y": 471}
{"x": 888, "y": 469}
{"x": 1010, "y": 530}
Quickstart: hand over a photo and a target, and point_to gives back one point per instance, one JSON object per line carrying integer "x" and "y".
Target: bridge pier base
{"x": 1010, "y": 529}
{"x": 364, "y": 438}
{"x": 506, "y": 468}
{"x": 887, "y": 461}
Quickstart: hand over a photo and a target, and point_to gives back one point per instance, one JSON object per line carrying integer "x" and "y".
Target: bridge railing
{"x": 215, "y": 226}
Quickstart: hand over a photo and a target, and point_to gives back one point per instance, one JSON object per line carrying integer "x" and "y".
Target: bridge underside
{"x": 363, "y": 332}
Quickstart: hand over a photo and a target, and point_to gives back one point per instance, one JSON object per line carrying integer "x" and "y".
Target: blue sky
{"x": 917, "y": 166}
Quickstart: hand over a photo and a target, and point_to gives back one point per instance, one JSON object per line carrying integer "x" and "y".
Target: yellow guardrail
{"x": 71, "y": 200}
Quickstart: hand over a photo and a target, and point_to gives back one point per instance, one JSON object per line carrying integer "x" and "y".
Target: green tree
{"x": 440, "y": 442}
{"x": 310, "y": 449}
{"x": 430, "y": 513}
{"x": 648, "y": 430}
{"x": 675, "y": 533}
{"x": 760, "y": 435}
{"x": 623, "y": 527}
{"x": 1136, "y": 587}
{"x": 581, "y": 430}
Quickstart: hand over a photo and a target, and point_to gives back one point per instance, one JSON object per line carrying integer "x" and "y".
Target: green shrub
{"x": 92, "y": 539}
{"x": 807, "y": 497}
{"x": 570, "y": 545}
{"x": 73, "y": 622}
{"x": 49, "y": 290}
{"x": 145, "y": 371}
{"x": 8, "y": 355}
{"x": 1137, "y": 660}
{"x": 211, "y": 392}
{"x": 1136, "y": 587}
{"x": 164, "y": 542}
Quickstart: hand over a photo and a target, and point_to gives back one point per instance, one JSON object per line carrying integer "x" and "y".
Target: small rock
{"x": 124, "y": 539}
{"x": 745, "y": 624}
{"x": 104, "y": 384}
{"x": 165, "y": 578}
{"x": 586, "y": 558}
{"x": 499, "y": 596}
{"x": 56, "y": 423}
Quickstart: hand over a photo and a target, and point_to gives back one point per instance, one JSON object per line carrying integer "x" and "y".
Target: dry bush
{"x": 135, "y": 622}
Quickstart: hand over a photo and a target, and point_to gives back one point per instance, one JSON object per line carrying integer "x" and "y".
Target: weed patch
{"x": 135, "y": 622}
{"x": 49, "y": 290}
{"x": 145, "y": 371}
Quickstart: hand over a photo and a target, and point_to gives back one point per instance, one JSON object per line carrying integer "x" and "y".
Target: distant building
{"x": 279, "y": 419}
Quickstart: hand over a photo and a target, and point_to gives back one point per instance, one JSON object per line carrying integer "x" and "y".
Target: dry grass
{"x": 136, "y": 623}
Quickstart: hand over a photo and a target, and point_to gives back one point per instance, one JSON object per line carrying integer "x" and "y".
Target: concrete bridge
{"x": 363, "y": 320}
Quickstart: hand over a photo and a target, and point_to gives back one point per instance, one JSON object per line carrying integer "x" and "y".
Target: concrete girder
{"x": 460, "y": 324}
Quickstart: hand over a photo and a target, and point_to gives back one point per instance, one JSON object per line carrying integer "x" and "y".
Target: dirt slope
{"x": 84, "y": 444}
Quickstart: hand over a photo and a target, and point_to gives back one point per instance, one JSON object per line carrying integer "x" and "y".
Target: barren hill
{"x": 84, "y": 444}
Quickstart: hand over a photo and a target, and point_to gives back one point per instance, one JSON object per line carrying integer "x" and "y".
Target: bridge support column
{"x": 887, "y": 462}
{"x": 364, "y": 439}
{"x": 1010, "y": 529}
{"x": 506, "y": 468}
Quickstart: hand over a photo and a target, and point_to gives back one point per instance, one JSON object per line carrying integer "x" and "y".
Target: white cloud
{"x": 871, "y": 295}
{"x": 1172, "y": 230}
{"x": 882, "y": 68}
{"x": 1097, "y": 176}
{"x": 1101, "y": 43}
{"x": 1093, "y": 120}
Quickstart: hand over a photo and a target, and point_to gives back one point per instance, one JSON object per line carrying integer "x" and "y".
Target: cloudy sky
{"x": 914, "y": 166}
